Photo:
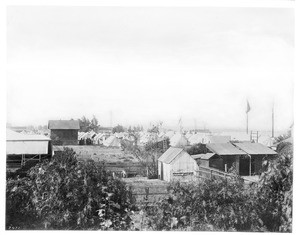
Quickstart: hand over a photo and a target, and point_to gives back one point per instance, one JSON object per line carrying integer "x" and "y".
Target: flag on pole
{"x": 248, "y": 107}
{"x": 179, "y": 122}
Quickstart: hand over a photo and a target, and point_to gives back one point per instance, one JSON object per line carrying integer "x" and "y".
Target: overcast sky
{"x": 150, "y": 64}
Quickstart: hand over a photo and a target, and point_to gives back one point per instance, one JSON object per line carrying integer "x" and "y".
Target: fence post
{"x": 210, "y": 173}
{"x": 147, "y": 192}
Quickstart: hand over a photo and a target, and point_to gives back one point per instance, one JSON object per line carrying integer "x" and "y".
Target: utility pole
{"x": 247, "y": 124}
{"x": 273, "y": 120}
{"x": 110, "y": 114}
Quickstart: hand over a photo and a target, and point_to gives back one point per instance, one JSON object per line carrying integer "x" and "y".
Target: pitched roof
{"x": 63, "y": 125}
{"x": 255, "y": 148}
{"x": 204, "y": 156}
{"x": 224, "y": 149}
{"x": 15, "y": 136}
{"x": 170, "y": 155}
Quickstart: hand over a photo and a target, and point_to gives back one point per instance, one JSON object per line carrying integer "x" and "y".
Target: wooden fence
{"x": 209, "y": 173}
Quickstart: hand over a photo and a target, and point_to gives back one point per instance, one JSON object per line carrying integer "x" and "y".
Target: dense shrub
{"x": 197, "y": 149}
{"x": 215, "y": 204}
{"x": 274, "y": 191}
{"x": 66, "y": 194}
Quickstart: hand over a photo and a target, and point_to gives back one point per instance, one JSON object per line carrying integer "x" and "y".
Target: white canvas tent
{"x": 178, "y": 140}
{"x": 197, "y": 138}
{"x": 112, "y": 141}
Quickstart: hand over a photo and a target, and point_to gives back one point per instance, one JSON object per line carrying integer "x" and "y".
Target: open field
{"x": 98, "y": 154}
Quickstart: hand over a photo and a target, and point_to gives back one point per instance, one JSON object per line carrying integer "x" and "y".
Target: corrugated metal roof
{"x": 224, "y": 149}
{"x": 170, "y": 155}
{"x": 63, "y": 124}
{"x": 204, "y": 156}
{"x": 255, "y": 148}
{"x": 15, "y": 136}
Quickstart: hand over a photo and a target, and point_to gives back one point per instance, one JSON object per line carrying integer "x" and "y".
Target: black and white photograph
{"x": 149, "y": 117}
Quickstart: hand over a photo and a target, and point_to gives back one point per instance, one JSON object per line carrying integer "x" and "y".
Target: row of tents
{"x": 177, "y": 139}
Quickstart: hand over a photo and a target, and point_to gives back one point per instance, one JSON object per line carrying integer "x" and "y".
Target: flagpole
{"x": 247, "y": 123}
{"x": 273, "y": 120}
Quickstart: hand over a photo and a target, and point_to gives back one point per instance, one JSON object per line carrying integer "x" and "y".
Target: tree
{"x": 274, "y": 192}
{"x": 84, "y": 124}
{"x": 87, "y": 125}
{"x": 94, "y": 125}
{"x": 118, "y": 129}
{"x": 197, "y": 149}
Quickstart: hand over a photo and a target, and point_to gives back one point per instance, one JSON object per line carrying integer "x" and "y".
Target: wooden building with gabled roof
{"x": 176, "y": 164}
{"x": 64, "y": 132}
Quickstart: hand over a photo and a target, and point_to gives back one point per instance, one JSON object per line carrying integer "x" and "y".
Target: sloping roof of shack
{"x": 170, "y": 155}
{"x": 255, "y": 148}
{"x": 205, "y": 156}
{"x": 15, "y": 136}
{"x": 224, "y": 149}
{"x": 63, "y": 125}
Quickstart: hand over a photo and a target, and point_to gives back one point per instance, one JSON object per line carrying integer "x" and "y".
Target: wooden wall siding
{"x": 203, "y": 162}
{"x": 244, "y": 166}
{"x": 67, "y": 137}
{"x": 27, "y": 147}
{"x": 257, "y": 164}
{"x": 217, "y": 163}
{"x": 166, "y": 172}
{"x": 183, "y": 163}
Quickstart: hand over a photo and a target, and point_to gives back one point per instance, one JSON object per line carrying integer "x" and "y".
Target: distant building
{"x": 18, "y": 129}
{"x": 64, "y": 132}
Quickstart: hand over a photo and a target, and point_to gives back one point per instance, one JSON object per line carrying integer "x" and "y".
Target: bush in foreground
{"x": 66, "y": 194}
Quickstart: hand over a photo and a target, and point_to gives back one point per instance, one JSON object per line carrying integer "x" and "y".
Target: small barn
{"x": 204, "y": 159}
{"x": 256, "y": 153}
{"x": 176, "y": 164}
{"x": 226, "y": 156}
{"x": 64, "y": 132}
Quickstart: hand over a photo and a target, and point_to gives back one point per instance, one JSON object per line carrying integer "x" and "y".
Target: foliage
{"x": 66, "y": 194}
{"x": 87, "y": 125}
{"x": 197, "y": 149}
{"x": 281, "y": 138}
{"x": 216, "y": 204}
{"x": 274, "y": 192}
{"x": 118, "y": 129}
{"x": 135, "y": 128}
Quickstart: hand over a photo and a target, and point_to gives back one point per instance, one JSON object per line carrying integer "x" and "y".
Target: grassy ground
{"x": 97, "y": 153}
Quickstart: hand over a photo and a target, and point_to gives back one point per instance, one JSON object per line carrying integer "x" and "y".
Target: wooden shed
{"x": 205, "y": 159}
{"x": 176, "y": 164}
{"x": 226, "y": 155}
{"x": 256, "y": 153}
{"x": 64, "y": 132}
